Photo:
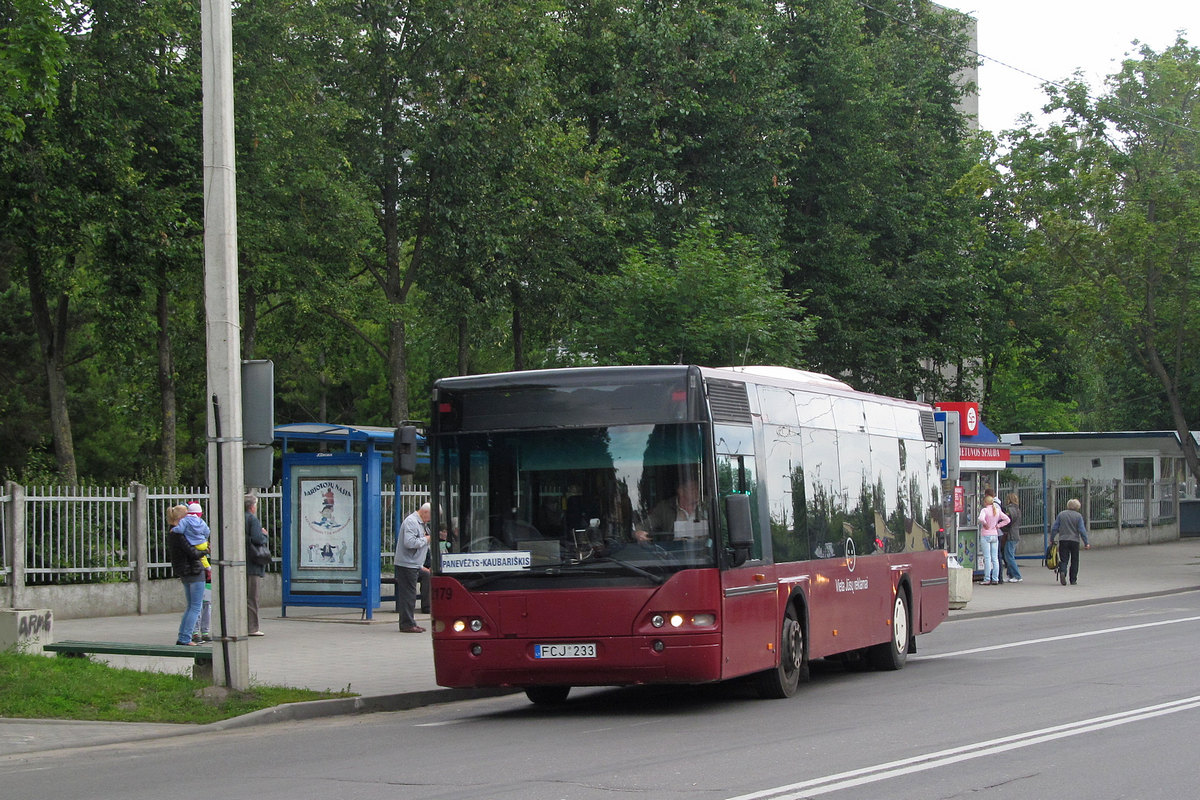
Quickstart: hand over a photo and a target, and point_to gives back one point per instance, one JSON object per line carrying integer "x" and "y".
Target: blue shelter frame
{"x": 1035, "y": 458}
{"x": 332, "y": 514}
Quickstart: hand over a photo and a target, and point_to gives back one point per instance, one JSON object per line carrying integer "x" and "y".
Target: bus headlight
{"x": 474, "y": 624}
{"x": 678, "y": 619}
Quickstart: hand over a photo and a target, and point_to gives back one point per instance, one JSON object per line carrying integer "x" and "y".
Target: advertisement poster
{"x": 328, "y": 533}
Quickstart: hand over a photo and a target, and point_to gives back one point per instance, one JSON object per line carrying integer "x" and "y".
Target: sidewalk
{"x": 318, "y": 648}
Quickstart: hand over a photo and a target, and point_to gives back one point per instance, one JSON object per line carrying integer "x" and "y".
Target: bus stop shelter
{"x": 333, "y": 479}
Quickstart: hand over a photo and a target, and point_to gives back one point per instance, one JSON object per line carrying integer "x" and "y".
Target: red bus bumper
{"x": 619, "y": 661}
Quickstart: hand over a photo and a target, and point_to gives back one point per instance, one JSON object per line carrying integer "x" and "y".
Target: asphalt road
{"x": 1098, "y": 702}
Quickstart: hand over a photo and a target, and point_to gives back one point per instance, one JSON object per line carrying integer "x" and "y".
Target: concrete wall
{"x": 1111, "y": 537}
{"x": 80, "y": 601}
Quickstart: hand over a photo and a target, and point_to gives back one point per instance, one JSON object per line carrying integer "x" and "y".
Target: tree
{"x": 874, "y": 230}
{"x": 706, "y": 300}
{"x": 1113, "y": 191}
{"x": 32, "y": 51}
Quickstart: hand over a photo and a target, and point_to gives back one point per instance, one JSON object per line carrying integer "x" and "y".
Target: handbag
{"x": 259, "y": 554}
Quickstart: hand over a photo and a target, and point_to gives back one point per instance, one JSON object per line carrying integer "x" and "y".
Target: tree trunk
{"x": 166, "y": 388}
{"x": 464, "y": 346}
{"x": 398, "y": 372}
{"x": 52, "y": 338}
{"x": 1158, "y": 369}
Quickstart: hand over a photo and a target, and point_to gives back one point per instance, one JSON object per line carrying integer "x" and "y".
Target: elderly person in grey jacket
{"x": 412, "y": 545}
{"x": 1069, "y": 529}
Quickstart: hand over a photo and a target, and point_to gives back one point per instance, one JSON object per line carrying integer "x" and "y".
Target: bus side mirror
{"x": 741, "y": 530}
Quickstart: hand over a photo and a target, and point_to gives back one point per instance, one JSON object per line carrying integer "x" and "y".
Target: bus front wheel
{"x": 892, "y": 654}
{"x": 783, "y": 680}
{"x": 547, "y": 695}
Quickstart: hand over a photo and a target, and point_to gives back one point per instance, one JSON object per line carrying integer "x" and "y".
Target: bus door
{"x": 750, "y": 624}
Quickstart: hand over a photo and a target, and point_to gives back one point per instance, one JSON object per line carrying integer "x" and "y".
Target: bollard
{"x": 26, "y": 629}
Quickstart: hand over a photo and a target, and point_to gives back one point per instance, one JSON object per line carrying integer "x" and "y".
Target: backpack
{"x": 1051, "y": 559}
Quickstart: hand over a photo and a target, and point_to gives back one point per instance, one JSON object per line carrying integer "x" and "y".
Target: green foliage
{"x": 875, "y": 230}
{"x": 32, "y": 51}
{"x": 428, "y": 188}
{"x": 1111, "y": 191}
{"x": 706, "y": 300}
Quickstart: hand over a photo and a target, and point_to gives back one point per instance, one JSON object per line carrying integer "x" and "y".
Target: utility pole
{"x": 231, "y": 665}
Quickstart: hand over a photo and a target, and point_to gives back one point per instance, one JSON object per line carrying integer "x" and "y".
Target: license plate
{"x": 577, "y": 650}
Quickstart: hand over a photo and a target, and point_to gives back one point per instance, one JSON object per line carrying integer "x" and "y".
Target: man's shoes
{"x": 413, "y": 629}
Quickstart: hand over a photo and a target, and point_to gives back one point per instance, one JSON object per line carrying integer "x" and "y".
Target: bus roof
{"x": 754, "y": 374}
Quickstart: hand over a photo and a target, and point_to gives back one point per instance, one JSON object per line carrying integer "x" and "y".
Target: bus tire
{"x": 892, "y": 654}
{"x": 783, "y": 680}
{"x": 547, "y": 695}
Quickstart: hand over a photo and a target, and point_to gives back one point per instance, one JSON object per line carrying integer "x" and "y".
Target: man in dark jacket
{"x": 256, "y": 534}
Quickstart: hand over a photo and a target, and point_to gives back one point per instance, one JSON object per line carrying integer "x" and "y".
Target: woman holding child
{"x": 187, "y": 563}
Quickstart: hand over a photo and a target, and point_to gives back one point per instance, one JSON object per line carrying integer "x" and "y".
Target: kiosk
{"x": 332, "y": 514}
{"x": 982, "y": 456}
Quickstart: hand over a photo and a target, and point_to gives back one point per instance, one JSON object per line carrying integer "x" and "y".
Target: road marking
{"x": 1064, "y": 637}
{"x": 894, "y": 769}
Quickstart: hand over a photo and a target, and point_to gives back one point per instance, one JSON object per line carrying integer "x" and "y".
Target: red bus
{"x": 678, "y": 524}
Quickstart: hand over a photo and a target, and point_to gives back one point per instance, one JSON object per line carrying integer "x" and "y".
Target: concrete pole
{"x": 226, "y": 513}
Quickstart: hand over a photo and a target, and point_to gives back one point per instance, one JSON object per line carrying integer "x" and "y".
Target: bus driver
{"x": 685, "y": 507}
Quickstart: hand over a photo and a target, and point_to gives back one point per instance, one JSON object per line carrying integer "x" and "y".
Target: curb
{"x": 344, "y": 706}
{"x": 1069, "y": 604}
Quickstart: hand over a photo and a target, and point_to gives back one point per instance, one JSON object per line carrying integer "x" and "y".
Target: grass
{"x": 41, "y": 687}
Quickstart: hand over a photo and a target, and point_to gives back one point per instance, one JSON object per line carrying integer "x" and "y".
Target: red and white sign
{"x": 968, "y": 416}
{"x": 960, "y": 499}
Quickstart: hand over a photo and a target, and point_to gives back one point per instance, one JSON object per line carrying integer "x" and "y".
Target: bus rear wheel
{"x": 892, "y": 654}
{"x": 783, "y": 680}
{"x": 547, "y": 695}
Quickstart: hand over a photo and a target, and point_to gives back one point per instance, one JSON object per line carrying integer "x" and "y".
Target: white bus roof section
{"x": 789, "y": 374}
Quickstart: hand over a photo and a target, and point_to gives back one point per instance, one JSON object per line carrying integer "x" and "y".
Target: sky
{"x": 1053, "y": 38}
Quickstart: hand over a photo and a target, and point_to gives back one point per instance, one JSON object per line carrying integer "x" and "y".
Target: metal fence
{"x": 1106, "y": 506}
{"x": 88, "y": 534}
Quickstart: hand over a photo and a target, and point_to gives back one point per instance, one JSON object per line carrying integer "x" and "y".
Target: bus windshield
{"x": 627, "y": 502}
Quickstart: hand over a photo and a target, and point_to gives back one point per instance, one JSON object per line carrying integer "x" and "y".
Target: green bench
{"x": 201, "y": 655}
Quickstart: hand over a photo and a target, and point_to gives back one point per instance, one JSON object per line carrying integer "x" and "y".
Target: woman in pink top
{"x": 991, "y": 519}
